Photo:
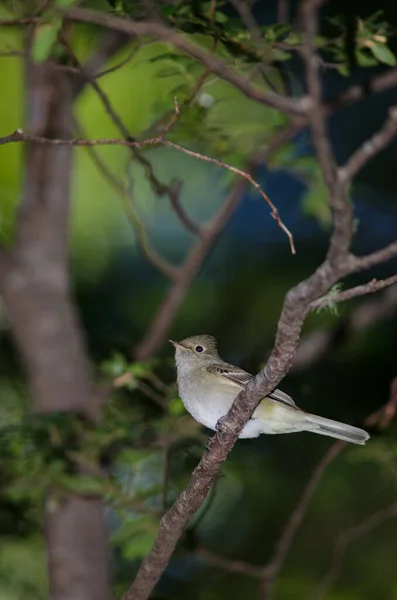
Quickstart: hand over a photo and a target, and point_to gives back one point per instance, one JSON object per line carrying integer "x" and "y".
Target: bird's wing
{"x": 234, "y": 374}
{"x": 240, "y": 378}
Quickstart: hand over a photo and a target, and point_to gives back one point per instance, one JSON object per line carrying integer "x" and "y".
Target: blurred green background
{"x": 237, "y": 297}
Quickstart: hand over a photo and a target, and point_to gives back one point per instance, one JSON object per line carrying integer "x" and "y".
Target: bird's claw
{"x": 219, "y": 424}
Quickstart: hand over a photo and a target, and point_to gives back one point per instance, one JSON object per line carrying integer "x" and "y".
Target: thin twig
{"x": 316, "y": 344}
{"x": 158, "y": 186}
{"x": 215, "y": 161}
{"x": 229, "y": 564}
{"x": 176, "y": 294}
{"x": 370, "y": 147}
{"x": 342, "y": 542}
{"x": 381, "y": 418}
{"x": 19, "y": 136}
{"x": 216, "y": 65}
{"x": 360, "y": 290}
{"x": 161, "y": 264}
{"x": 284, "y": 543}
{"x": 365, "y": 262}
{"x": 19, "y": 21}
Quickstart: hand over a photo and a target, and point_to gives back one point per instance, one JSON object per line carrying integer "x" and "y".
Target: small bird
{"x": 208, "y": 385}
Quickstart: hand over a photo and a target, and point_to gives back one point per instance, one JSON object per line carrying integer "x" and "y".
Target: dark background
{"x": 238, "y": 298}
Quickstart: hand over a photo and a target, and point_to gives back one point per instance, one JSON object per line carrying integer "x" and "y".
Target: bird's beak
{"x": 176, "y": 344}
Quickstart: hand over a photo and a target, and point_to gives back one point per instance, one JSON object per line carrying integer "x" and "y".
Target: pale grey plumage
{"x": 208, "y": 385}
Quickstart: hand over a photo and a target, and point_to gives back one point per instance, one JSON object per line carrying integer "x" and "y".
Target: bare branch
{"x": 287, "y": 537}
{"x": 361, "y": 290}
{"x": 188, "y": 271}
{"x": 217, "y": 66}
{"x": 381, "y": 418}
{"x": 362, "y": 263}
{"x": 370, "y": 148}
{"x": 215, "y": 161}
{"x": 359, "y": 91}
{"x": 268, "y": 573}
{"x": 316, "y": 344}
{"x": 230, "y": 565}
{"x": 163, "y": 266}
{"x": 184, "y": 217}
{"x": 297, "y": 303}
{"x": 343, "y": 541}
{"x": 110, "y": 43}
{"x": 282, "y": 11}
{"x": 20, "y": 21}
{"x": 19, "y": 136}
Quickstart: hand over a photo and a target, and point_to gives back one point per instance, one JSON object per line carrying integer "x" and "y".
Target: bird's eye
{"x": 199, "y": 349}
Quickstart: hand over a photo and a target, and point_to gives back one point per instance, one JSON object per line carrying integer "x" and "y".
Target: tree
{"x": 202, "y": 41}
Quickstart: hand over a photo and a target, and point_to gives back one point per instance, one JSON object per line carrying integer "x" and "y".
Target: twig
{"x": 228, "y": 564}
{"x": 215, "y": 161}
{"x": 160, "y": 188}
{"x": 316, "y": 344}
{"x": 295, "y": 309}
{"x": 162, "y": 265}
{"x": 370, "y": 147}
{"x": 193, "y": 262}
{"x": 184, "y": 217}
{"x": 283, "y": 545}
{"x": 362, "y": 263}
{"x": 343, "y": 541}
{"x": 20, "y": 21}
{"x": 340, "y": 206}
{"x": 361, "y": 290}
{"x": 282, "y": 11}
{"x": 381, "y": 418}
{"x": 217, "y": 66}
{"x": 19, "y": 136}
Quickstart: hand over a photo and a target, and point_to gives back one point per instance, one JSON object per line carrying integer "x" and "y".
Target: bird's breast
{"x": 208, "y": 401}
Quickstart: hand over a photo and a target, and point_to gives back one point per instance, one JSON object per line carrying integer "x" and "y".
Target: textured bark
{"x": 35, "y": 289}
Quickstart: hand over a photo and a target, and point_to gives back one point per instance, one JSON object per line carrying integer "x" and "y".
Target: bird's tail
{"x": 337, "y": 430}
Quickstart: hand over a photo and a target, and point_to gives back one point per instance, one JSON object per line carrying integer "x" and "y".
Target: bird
{"x": 208, "y": 386}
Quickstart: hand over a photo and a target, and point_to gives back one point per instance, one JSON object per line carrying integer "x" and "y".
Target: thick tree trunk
{"x": 35, "y": 288}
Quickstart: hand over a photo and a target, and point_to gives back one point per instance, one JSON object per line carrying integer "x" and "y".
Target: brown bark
{"x": 35, "y": 288}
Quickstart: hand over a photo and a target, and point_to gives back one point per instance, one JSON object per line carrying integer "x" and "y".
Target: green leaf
{"x": 280, "y": 55}
{"x": 176, "y": 408}
{"x": 383, "y": 54}
{"x": 46, "y": 36}
{"x": 139, "y": 546}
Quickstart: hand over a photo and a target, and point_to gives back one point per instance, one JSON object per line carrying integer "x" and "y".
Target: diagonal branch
{"x": 216, "y": 65}
{"x": 215, "y": 161}
{"x": 188, "y": 271}
{"x": 296, "y": 306}
{"x": 344, "y": 539}
{"x": 156, "y": 260}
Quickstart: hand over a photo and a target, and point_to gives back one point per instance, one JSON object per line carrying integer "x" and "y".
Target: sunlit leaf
{"x": 383, "y": 54}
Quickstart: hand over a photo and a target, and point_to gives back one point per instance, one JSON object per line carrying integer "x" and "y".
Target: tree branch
{"x": 217, "y": 66}
{"x": 284, "y": 543}
{"x": 297, "y": 303}
{"x": 188, "y": 271}
{"x": 158, "y": 262}
{"x": 361, "y": 290}
{"x": 344, "y": 539}
{"x": 215, "y": 161}
{"x": 316, "y": 344}
{"x": 370, "y": 148}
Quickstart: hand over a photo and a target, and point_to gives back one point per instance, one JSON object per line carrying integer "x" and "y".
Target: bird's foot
{"x": 221, "y": 429}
